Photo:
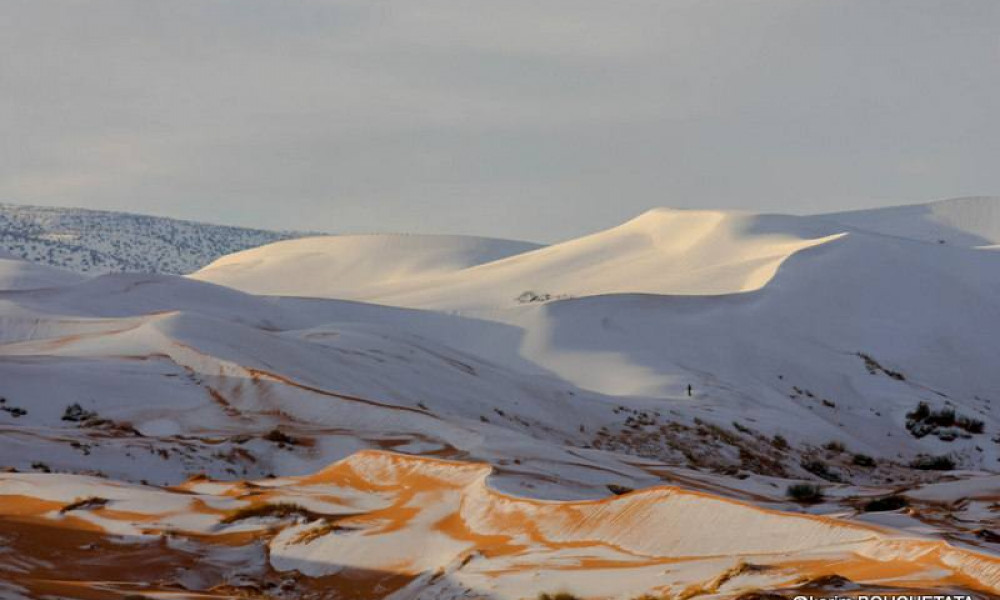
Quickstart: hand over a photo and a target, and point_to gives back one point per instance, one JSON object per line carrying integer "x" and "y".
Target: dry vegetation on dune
{"x": 277, "y": 510}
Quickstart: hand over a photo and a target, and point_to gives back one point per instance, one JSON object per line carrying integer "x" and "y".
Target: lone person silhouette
{"x": 689, "y": 389}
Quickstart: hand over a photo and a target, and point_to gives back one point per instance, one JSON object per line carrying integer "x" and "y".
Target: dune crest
{"x": 663, "y": 251}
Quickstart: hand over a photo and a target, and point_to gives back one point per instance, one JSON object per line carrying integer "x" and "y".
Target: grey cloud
{"x": 531, "y": 119}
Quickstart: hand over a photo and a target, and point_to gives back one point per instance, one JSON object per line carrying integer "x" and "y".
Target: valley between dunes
{"x": 693, "y": 404}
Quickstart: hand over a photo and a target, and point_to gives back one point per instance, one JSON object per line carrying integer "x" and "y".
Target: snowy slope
{"x": 18, "y": 274}
{"x": 90, "y": 241}
{"x": 765, "y": 315}
{"x": 350, "y": 266}
{"x": 808, "y": 342}
{"x": 972, "y": 221}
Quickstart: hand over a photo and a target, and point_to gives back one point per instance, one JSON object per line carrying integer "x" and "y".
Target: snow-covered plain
{"x": 453, "y": 416}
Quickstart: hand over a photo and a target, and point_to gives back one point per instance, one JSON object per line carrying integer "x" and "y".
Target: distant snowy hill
{"x": 90, "y": 241}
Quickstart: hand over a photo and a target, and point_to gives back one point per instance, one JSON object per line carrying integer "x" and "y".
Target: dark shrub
{"x": 820, "y": 469}
{"x": 805, "y": 493}
{"x": 834, "y": 446}
{"x": 279, "y": 437}
{"x": 933, "y": 463}
{"x": 85, "y": 504}
{"x": 923, "y": 421}
{"x": 886, "y": 503}
{"x": 920, "y": 413}
{"x": 987, "y": 536}
{"x": 969, "y": 424}
{"x": 278, "y": 510}
{"x": 863, "y": 460}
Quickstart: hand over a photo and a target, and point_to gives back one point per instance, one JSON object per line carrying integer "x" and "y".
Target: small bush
{"x": 933, "y": 463}
{"x": 834, "y": 446}
{"x": 820, "y": 469}
{"x": 557, "y": 596}
{"x": 969, "y": 424}
{"x": 886, "y": 503}
{"x": 618, "y": 490}
{"x": 923, "y": 421}
{"x": 805, "y": 493}
{"x": 863, "y": 460}
{"x": 779, "y": 442}
{"x": 894, "y": 374}
{"x": 14, "y": 411}
{"x": 943, "y": 418}
{"x": 874, "y": 367}
{"x": 279, "y": 437}
{"x": 920, "y": 413}
{"x": 278, "y": 510}
{"x": 987, "y": 536}
{"x": 85, "y": 504}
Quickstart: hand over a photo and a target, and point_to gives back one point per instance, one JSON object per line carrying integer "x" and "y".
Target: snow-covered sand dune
{"x": 17, "y": 274}
{"x": 852, "y": 351}
{"x": 662, "y": 251}
{"x": 407, "y": 527}
{"x": 353, "y": 266}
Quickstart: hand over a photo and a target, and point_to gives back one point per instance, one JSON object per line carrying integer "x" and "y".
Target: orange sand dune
{"x": 377, "y": 523}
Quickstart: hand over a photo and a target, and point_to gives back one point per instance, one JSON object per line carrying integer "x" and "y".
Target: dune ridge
{"x": 416, "y": 516}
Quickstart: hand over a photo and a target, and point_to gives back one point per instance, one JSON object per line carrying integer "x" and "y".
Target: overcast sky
{"x": 532, "y": 119}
